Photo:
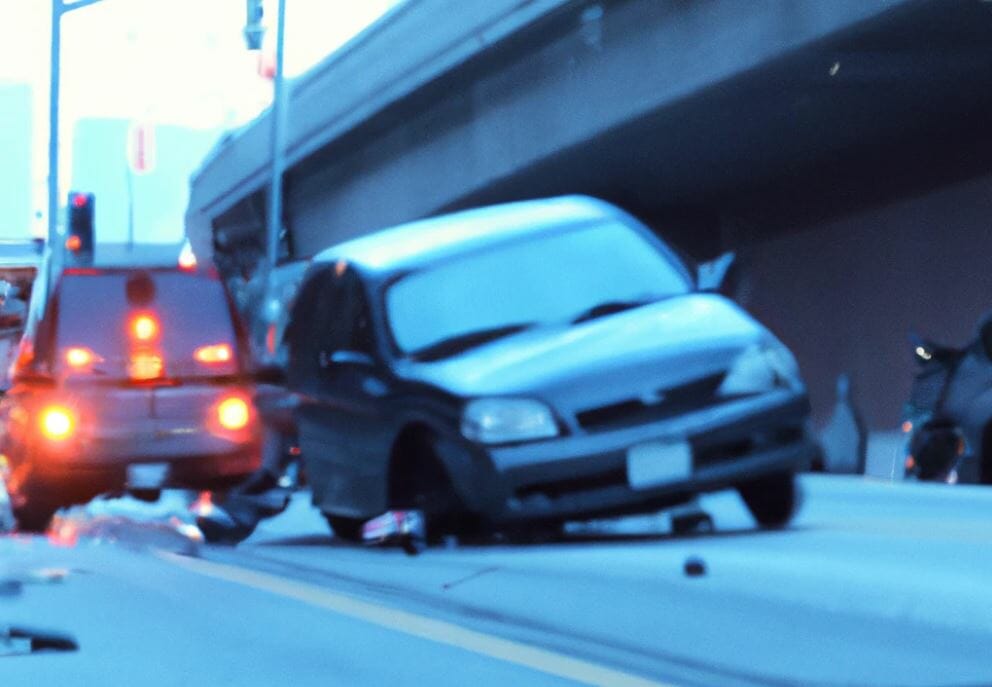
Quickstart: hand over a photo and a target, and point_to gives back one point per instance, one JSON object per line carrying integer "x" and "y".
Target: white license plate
{"x": 147, "y": 475}
{"x": 658, "y": 463}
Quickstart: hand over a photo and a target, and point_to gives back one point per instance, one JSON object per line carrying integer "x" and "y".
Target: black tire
{"x": 419, "y": 481}
{"x": 348, "y": 529}
{"x": 146, "y": 495}
{"x": 692, "y": 523}
{"x": 772, "y": 500}
{"x": 34, "y": 516}
{"x": 217, "y": 532}
{"x": 535, "y": 533}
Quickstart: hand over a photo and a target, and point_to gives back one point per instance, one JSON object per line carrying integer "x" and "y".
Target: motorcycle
{"x": 949, "y": 412}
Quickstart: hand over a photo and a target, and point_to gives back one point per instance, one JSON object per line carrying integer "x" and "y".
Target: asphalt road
{"x": 876, "y": 584}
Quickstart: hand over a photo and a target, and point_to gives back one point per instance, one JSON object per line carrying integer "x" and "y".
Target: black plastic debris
{"x": 16, "y": 641}
{"x": 694, "y": 567}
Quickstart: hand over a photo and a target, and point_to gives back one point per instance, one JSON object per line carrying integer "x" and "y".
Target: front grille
{"x": 720, "y": 451}
{"x": 695, "y": 395}
{"x": 558, "y": 488}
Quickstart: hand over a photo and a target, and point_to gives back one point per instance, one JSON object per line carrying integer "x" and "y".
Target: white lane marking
{"x": 431, "y": 629}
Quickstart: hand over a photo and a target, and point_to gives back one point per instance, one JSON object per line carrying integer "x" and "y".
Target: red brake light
{"x": 79, "y": 200}
{"x": 79, "y": 357}
{"x": 73, "y": 243}
{"x": 144, "y": 327}
{"x": 57, "y": 422}
{"x": 233, "y": 413}
{"x": 144, "y": 365}
{"x": 270, "y": 339}
{"x": 217, "y": 353}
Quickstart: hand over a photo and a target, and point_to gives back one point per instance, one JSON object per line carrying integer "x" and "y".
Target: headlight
{"x": 761, "y": 367}
{"x": 501, "y": 420}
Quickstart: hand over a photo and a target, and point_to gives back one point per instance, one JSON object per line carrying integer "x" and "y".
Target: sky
{"x": 181, "y": 62}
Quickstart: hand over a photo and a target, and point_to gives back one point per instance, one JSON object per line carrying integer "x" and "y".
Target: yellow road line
{"x": 431, "y": 629}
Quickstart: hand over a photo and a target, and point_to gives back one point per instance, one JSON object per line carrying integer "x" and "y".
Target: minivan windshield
{"x": 560, "y": 276}
{"x": 97, "y": 313}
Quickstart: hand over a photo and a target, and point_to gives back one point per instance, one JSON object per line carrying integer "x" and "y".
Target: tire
{"x": 692, "y": 523}
{"x": 772, "y": 500}
{"x": 34, "y": 516}
{"x": 348, "y": 529}
{"x": 218, "y": 532}
{"x": 419, "y": 481}
{"x": 146, "y": 495}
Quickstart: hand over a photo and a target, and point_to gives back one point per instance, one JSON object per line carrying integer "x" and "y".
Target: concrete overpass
{"x": 841, "y": 147}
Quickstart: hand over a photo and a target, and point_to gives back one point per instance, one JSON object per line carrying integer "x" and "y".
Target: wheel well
{"x": 411, "y": 461}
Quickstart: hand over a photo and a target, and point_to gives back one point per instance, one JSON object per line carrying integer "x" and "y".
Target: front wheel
{"x": 772, "y": 500}
{"x": 348, "y": 529}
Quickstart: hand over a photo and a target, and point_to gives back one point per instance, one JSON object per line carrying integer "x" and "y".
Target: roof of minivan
{"x": 122, "y": 255}
{"x": 411, "y": 245}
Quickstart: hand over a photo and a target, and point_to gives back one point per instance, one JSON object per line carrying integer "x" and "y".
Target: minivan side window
{"x": 345, "y": 322}
{"x": 301, "y": 333}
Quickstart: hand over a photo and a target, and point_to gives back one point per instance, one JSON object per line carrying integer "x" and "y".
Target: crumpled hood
{"x": 661, "y": 344}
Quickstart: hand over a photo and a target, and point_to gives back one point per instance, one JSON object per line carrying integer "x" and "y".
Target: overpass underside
{"x": 842, "y": 148}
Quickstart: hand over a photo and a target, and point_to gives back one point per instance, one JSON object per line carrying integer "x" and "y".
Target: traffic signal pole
{"x": 278, "y": 141}
{"x": 59, "y": 7}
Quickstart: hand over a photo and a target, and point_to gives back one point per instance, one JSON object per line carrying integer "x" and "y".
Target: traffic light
{"x": 254, "y": 31}
{"x": 79, "y": 239}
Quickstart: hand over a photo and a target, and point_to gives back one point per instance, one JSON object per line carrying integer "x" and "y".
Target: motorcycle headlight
{"x": 502, "y": 420}
{"x": 759, "y": 368}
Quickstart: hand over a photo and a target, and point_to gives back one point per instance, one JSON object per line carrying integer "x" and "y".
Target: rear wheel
{"x": 349, "y": 529}
{"x": 34, "y": 516}
{"x": 146, "y": 495}
{"x": 772, "y": 499}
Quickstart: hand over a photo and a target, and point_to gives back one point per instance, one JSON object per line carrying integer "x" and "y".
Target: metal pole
{"x": 58, "y": 9}
{"x": 129, "y": 180}
{"x": 279, "y": 107}
{"x": 53, "y": 132}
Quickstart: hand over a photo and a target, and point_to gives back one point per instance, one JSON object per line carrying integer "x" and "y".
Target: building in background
{"x": 15, "y": 161}
{"x": 140, "y": 181}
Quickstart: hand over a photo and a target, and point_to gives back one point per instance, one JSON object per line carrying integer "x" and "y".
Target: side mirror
{"x": 713, "y": 275}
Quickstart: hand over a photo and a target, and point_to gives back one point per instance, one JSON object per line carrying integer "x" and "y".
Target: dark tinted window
{"x": 344, "y": 320}
{"x": 96, "y": 311}
{"x": 331, "y": 314}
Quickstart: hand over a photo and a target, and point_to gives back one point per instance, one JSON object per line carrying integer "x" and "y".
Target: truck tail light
{"x": 217, "y": 353}
{"x": 233, "y": 413}
{"x": 144, "y": 365}
{"x": 144, "y": 328}
{"x": 57, "y": 423}
{"x": 81, "y": 358}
